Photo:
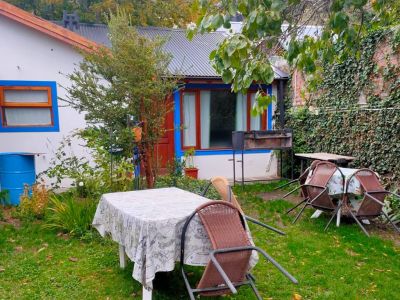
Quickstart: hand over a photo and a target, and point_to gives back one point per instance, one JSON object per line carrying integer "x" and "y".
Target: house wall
{"x": 29, "y": 55}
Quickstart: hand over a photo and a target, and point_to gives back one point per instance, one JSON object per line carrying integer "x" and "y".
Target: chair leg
{"x": 359, "y": 223}
{"x": 333, "y": 216}
{"x": 253, "y": 286}
{"x": 296, "y": 206}
{"x": 291, "y": 192}
{"x": 300, "y": 212}
{"x": 395, "y": 227}
{"x": 286, "y": 184}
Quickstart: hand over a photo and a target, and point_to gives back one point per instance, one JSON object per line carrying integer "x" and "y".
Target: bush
{"x": 196, "y": 186}
{"x": 392, "y": 208}
{"x": 33, "y": 202}
{"x": 70, "y": 215}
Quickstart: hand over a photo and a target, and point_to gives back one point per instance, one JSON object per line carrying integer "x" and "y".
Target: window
{"x": 210, "y": 116}
{"x": 28, "y": 106}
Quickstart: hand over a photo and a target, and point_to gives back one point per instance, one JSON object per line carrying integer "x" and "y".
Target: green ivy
{"x": 333, "y": 121}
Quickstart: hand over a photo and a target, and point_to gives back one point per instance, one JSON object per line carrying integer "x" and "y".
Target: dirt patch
{"x": 8, "y": 219}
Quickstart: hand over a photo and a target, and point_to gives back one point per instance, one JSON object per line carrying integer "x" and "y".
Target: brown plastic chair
{"x": 223, "y": 188}
{"x": 228, "y": 267}
{"x": 316, "y": 190}
{"x": 371, "y": 205}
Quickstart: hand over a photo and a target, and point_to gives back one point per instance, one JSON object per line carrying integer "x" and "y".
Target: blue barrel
{"x": 16, "y": 170}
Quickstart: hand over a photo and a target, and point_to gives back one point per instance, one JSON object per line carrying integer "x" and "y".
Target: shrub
{"x": 33, "y": 202}
{"x": 392, "y": 208}
{"x": 196, "y": 186}
{"x": 70, "y": 215}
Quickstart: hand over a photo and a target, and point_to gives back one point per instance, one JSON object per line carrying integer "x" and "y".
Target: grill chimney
{"x": 71, "y": 21}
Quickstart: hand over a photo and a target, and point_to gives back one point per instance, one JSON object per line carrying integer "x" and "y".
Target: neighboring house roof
{"x": 313, "y": 31}
{"x": 14, "y": 13}
{"x": 189, "y": 58}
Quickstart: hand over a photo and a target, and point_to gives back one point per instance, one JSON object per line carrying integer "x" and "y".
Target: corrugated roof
{"x": 189, "y": 58}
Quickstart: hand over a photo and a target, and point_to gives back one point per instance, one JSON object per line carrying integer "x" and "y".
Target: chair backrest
{"x": 225, "y": 227}
{"x": 369, "y": 182}
{"x": 223, "y": 188}
{"x": 320, "y": 177}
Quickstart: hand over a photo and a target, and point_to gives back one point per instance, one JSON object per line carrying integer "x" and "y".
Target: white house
{"x": 35, "y": 55}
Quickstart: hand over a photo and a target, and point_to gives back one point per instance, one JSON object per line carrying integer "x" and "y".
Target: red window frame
{"x": 264, "y": 124}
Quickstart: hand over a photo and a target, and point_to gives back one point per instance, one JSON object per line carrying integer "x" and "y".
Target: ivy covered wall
{"x": 355, "y": 110}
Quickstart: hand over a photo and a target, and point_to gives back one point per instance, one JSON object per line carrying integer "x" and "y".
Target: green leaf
{"x": 278, "y": 5}
{"x": 212, "y": 54}
{"x": 227, "y": 76}
{"x": 217, "y": 21}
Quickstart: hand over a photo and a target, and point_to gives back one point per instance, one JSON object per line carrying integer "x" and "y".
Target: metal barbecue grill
{"x": 281, "y": 139}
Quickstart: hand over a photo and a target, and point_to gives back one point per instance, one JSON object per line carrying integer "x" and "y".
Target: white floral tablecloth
{"x": 149, "y": 223}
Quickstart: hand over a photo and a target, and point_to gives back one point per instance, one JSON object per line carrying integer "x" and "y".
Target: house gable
{"x": 14, "y": 13}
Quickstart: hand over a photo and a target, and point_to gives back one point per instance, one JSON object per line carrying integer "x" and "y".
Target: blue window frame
{"x": 28, "y": 106}
{"x": 179, "y": 116}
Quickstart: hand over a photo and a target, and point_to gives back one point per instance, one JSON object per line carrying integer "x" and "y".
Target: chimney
{"x": 70, "y": 21}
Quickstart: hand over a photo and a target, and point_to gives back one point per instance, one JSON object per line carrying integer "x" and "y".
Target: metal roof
{"x": 189, "y": 58}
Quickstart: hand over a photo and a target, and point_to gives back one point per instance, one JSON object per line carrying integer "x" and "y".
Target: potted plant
{"x": 190, "y": 169}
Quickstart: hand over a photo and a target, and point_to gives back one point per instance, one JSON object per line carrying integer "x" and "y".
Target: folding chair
{"x": 371, "y": 205}
{"x": 228, "y": 267}
{"x": 223, "y": 188}
{"x": 317, "y": 191}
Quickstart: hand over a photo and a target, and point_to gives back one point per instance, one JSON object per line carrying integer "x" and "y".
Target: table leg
{"x": 339, "y": 213}
{"x": 122, "y": 257}
{"x": 147, "y": 293}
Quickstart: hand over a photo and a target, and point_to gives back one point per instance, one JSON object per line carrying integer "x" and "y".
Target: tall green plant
{"x": 129, "y": 79}
{"x": 70, "y": 215}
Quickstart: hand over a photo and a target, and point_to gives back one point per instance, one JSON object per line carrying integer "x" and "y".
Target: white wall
{"x": 256, "y": 166}
{"x": 27, "y": 54}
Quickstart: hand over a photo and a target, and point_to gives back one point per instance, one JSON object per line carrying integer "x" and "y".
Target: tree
{"x": 244, "y": 58}
{"x": 153, "y": 13}
{"x": 129, "y": 79}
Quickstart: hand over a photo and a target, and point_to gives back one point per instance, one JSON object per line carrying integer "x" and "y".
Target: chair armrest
{"x": 255, "y": 221}
{"x": 250, "y": 248}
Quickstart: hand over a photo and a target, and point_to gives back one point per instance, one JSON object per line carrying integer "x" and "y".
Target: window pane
{"x": 189, "y": 119}
{"x": 205, "y": 100}
{"x": 222, "y": 118}
{"x": 27, "y": 116}
{"x": 255, "y": 122}
{"x": 29, "y": 96}
{"x": 241, "y": 112}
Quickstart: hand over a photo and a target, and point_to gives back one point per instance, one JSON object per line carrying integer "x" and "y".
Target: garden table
{"x": 335, "y": 158}
{"x": 147, "y": 224}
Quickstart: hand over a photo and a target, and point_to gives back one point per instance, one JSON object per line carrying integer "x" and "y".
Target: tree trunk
{"x": 146, "y": 151}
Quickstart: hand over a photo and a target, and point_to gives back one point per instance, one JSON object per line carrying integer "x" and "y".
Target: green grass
{"x": 339, "y": 264}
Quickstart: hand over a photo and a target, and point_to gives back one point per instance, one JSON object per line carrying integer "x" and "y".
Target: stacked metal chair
{"x": 316, "y": 193}
{"x": 372, "y": 204}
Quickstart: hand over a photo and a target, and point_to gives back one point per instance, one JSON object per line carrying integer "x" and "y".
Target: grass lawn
{"x": 339, "y": 264}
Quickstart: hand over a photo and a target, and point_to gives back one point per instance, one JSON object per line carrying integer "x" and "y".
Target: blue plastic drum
{"x": 16, "y": 170}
